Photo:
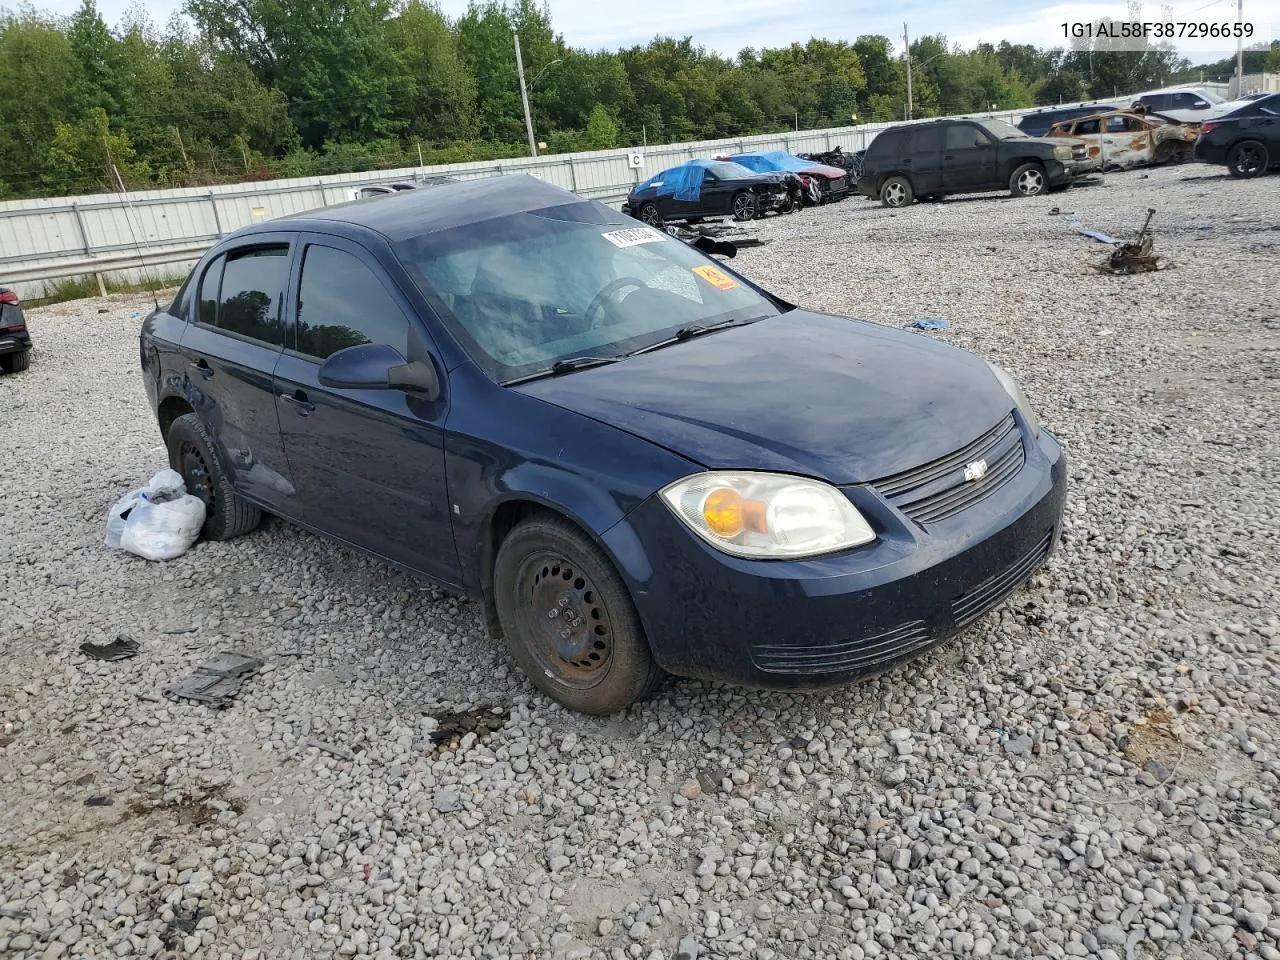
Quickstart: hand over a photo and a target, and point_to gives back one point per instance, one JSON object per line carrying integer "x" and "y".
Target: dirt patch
{"x": 1152, "y": 743}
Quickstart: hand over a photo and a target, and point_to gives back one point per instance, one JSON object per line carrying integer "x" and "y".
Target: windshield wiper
{"x": 696, "y": 330}
{"x": 563, "y": 366}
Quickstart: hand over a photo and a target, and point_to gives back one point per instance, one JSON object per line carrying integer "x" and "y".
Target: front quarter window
{"x": 524, "y": 291}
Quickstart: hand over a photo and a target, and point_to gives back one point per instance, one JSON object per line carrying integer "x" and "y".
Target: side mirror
{"x": 980, "y": 141}
{"x": 376, "y": 366}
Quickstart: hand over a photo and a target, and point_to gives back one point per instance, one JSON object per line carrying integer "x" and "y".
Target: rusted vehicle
{"x": 1124, "y": 139}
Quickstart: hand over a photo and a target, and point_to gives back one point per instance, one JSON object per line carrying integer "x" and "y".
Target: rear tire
{"x": 592, "y": 655}
{"x": 649, "y": 214}
{"x": 1028, "y": 181}
{"x": 16, "y": 362}
{"x": 896, "y": 192}
{"x": 745, "y": 206}
{"x": 1248, "y": 159}
{"x": 191, "y": 453}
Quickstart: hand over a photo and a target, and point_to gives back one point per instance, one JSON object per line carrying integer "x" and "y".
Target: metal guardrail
{"x": 132, "y": 260}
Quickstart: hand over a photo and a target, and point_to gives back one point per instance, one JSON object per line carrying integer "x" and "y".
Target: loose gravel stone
{"x": 1090, "y": 770}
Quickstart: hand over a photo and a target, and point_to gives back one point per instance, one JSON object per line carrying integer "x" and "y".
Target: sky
{"x": 729, "y": 27}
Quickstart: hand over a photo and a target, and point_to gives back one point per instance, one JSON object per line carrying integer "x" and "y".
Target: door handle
{"x": 298, "y": 400}
{"x": 201, "y": 367}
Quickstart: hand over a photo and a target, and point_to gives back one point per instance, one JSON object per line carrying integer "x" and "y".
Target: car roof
{"x": 412, "y": 213}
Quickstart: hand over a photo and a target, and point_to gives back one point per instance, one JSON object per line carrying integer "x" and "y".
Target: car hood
{"x": 842, "y": 400}
{"x": 826, "y": 171}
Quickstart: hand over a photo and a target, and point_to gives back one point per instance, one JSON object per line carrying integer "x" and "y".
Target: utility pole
{"x": 185, "y": 162}
{"x": 1239, "y": 51}
{"x": 524, "y": 97}
{"x": 906, "y": 49}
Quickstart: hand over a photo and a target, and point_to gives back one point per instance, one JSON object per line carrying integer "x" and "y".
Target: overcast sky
{"x": 728, "y": 27}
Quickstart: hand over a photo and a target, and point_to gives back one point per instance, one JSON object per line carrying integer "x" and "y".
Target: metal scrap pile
{"x": 1135, "y": 257}
{"x": 836, "y": 157}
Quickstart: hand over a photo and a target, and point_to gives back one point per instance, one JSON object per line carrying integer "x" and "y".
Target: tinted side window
{"x": 342, "y": 303}
{"x": 253, "y": 283}
{"x": 961, "y": 136}
{"x": 207, "y": 308}
{"x": 926, "y": 139}
{"x": 887, "y": 144}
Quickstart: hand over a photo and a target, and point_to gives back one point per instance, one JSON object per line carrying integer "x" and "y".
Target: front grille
{"x": 939, "y": 490}
{"x": 861, "y": 655}
{"x": 972, "y": 604}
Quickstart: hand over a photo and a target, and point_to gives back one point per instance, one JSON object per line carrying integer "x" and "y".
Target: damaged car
{"x": 15, "y": 339}
{"x": 1122, "y": 139}
{"x": 821, "y": 183}
{"x": 702, "y": 189}
{"x": 637, "y": 461}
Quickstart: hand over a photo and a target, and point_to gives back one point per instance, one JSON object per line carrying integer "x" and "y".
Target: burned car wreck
{"x": 1123, "y": 139}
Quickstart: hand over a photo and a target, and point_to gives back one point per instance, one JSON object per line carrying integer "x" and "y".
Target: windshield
{"x": 1001, "y": 130}
{"x": 524, "y": 291}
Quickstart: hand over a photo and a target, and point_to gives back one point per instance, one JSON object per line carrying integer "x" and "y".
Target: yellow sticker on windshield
{"x": 717, "y": 278}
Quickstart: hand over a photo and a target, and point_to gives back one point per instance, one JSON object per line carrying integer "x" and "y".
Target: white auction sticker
{"x": 634, "y": 236}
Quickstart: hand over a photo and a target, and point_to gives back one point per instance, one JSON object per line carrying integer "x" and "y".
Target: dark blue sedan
{"x": 635, "y": 459}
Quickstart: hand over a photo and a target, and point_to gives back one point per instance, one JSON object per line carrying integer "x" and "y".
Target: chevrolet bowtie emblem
{"x": 975, "y": 471}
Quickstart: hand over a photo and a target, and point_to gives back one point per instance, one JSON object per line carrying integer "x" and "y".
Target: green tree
{"x": 439, "y": 97}
{"x": 602, "y": 130}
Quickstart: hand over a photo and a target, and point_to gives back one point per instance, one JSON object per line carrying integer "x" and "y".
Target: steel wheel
{"x": 1030, "y": 182}
{"x": 195, "y": 471}
{"x": 563, "y": 612}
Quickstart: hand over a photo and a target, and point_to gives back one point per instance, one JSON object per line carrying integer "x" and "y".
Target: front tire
{"x": 16, "y": 362}
{"x": 1247, "y": 159}
{"x": 1028, "y": 180}
{"x": 568, "y": 619}
{"x": 896, "y": 192}
{"x": 191, "y": 453}
{"x": 745, "y": 206}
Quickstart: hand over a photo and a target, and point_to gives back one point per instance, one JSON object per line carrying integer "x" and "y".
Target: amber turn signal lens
{"x": 727, "y": 514}
{"x": 722, "y": 510}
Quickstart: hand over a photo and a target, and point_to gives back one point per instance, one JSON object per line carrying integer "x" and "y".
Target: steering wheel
{"x": 601, "y": 298}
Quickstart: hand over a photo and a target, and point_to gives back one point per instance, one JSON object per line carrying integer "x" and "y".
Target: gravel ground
{"x": 1090, "y": 771}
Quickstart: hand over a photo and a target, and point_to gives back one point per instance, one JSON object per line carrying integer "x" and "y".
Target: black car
{"x": 15, "y": 341}
{"x": 1037, "y": 124}
{"x": 942, "y": 157}
{"x": 709, "y": 188}
{"x": 635, "y": 458}
{"x": 1247, "y": 139}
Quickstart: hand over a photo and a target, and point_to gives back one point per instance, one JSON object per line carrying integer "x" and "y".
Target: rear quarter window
{"x": 887, "y": 144}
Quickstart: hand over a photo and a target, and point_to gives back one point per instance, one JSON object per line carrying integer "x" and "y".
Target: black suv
{"x": 15, "y": 341}
{"x": 940, "y": 157}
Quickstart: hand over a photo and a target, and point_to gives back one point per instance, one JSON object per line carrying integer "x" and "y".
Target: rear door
{"x": 368, "y": 464}
{"x": 968, "y": 157}
{"x": 231, "y": 347}
{"x": 922, "y": 160}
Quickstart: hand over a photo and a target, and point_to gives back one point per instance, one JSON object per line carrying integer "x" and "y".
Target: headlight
{"x": 1062, "y": 153}
{"x": 767, "y": 515}
{"x": 1019, "y": 398}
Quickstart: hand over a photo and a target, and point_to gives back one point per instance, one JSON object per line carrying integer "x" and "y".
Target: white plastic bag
{"x": 165, "y": 486}
{"x": 162, "y": 531}
{"x": 117, "y": 516}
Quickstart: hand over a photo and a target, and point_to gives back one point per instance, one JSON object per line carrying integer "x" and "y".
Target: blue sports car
{"x": 636, "y": 460}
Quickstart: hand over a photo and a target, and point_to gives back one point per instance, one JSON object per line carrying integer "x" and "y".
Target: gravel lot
{"x": 1090, "y": 771}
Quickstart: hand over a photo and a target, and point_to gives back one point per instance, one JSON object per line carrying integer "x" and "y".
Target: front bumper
{"x": 806, "y": 624}
{"x": 1067, "y": 171}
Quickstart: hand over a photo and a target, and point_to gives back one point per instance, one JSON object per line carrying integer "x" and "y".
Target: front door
{"x": 231, "y": 345}
{"x": 368, "y": 464}
{"x": 1126, "y": 141}
{"x": 968, "y": 158}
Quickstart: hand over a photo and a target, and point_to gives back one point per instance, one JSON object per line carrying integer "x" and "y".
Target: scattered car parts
{"x": 122, "y": 648}
{"x": 1134, "y": 257}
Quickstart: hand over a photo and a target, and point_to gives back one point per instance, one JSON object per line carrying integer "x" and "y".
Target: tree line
{"x": 259, "y": 89}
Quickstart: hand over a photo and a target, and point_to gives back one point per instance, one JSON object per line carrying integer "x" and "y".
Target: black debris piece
{"x": 452, "y": 727}
{"x": 183, "y": 924}
{"x": 122, "y": 648}
{"x": 99, "y": 802}
{"x": 1134, "y": 257}
{"x": 851, "y": 163}
{"x": 217, "y": 681}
